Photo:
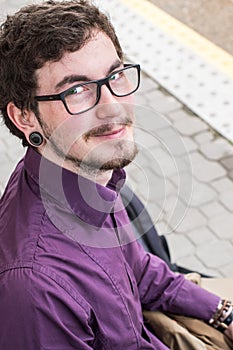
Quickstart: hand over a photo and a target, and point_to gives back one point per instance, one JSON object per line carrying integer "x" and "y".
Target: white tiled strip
{"x": 193, "y": 69}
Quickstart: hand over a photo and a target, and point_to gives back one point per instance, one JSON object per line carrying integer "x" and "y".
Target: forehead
{"x": 92, "y": 60}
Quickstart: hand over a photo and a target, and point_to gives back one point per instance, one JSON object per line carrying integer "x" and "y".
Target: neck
{"x": 101, "y": 177}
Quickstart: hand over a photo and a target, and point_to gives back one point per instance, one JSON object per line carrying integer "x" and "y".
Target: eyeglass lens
{"x": 83, "y": 97}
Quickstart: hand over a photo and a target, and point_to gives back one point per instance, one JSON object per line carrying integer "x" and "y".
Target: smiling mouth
{"x": 109, "y": 130}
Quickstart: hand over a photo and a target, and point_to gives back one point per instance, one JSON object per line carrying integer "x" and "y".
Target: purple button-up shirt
{"x": 72, "y": 275}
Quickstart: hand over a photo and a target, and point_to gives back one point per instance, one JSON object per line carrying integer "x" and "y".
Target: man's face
{"x": 101, "y": 138}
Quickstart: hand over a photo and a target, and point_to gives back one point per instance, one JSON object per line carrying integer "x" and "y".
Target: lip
{"x": 113, "y": 133}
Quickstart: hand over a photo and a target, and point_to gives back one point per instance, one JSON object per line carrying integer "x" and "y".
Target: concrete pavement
{"x": 201, "y": 237}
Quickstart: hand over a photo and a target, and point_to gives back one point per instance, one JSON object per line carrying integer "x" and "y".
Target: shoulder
{"x": 31, "y": 286}
{"x": 38, "y": 307}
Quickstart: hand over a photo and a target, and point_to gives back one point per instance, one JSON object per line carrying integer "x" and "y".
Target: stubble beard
{"x": 124, "y": 152}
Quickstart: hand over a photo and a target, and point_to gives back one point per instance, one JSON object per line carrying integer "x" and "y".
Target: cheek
{"x": 128, "y": 103}
{"x": 127, "y": 99}
{"x": 74, "y": 127}
{"x": 55, "y": 116}
{"x": 53, "y": 113}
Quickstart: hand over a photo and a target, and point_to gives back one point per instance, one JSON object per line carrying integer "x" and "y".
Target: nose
{"x": 109, "y": 105}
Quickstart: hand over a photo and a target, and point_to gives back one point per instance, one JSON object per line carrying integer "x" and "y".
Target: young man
{"x": 72, "y": 274}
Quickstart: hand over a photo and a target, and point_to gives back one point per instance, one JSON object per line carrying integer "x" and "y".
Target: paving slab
{"x": 217, "y": 149}
{"x": 201, "y": 236}
{"x": 226, "y": 199}
{"x": 223, "y": 184}
{"x": 202, "y": 193}
{"x": 211, "y": 257}
{"x": 190, "y": 144}
{"x": 222, "y": 225}
{"x": 180, "y": 247}
{"x": 163, "y": 103}
{"x": 227, "y": 162}
{"x": 204, "y": 137}
{"x": 208, "y": 171}
{"x": 178, "y": 114}
{"x": 193, "y": 219}
{"x": 190, "y": 126}
{"x": 193, "y": 263}
{"x": 213, "y": 209}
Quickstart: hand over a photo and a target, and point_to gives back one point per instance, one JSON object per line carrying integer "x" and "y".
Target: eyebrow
{"x": 69, "y": 79}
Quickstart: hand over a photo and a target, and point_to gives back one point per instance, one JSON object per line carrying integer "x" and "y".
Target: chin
{"x": 120, "y": 160}
{"x": 116, "y": 164}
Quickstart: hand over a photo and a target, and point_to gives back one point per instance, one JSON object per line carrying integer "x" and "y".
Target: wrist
{"x": 223, "y": 316}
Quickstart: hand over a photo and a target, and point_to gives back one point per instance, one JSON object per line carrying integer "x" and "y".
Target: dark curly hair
{"x": 37, "y": 34}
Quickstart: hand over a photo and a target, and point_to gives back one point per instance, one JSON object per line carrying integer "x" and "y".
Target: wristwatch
{"x": 226, "y": 323}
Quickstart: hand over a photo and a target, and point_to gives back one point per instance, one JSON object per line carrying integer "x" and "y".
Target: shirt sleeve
{"x": 37, "y": 313}
{"x": 161, "y": 289}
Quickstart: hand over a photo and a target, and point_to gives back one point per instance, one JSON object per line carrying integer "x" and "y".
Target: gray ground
{"x": 212, "y": 18}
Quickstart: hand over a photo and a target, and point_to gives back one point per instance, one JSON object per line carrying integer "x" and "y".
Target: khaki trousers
{"x": 186, "y": 333}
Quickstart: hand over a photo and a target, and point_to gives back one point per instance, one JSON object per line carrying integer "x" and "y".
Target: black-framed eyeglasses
{"x": 82, "y": 97}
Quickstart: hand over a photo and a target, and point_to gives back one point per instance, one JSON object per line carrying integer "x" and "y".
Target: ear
{"x": 25, "y": 120}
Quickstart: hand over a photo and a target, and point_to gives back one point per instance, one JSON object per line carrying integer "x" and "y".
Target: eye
{"x": 116, "y": 76}
{"x": 76, "y": 90}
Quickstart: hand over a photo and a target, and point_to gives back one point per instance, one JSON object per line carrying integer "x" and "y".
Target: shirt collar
{"x": 86, "y": 199}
